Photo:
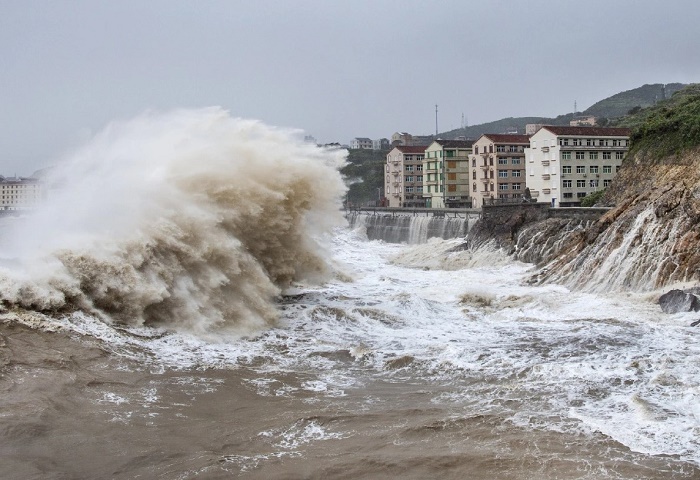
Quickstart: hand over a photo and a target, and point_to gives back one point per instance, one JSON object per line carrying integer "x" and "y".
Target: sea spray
{"x": 187, "y": 219}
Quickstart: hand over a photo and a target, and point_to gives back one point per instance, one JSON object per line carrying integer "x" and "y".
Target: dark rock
{"x": 695, "y": 323}
{"x": 679, "y": 301}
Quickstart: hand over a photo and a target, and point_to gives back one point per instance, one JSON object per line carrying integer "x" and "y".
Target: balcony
{"x": 484, "y": 167}
{"x": 545, "y": 149}
{"x": 546, "y": 176}
{"x": 545, "y": 163}
{"x": 546, "y": 191}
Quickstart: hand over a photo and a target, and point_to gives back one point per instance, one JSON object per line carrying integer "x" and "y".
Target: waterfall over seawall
{"x": 412, "y": 229}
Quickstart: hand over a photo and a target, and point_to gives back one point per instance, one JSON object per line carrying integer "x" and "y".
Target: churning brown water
{"x": 196, "y": 316}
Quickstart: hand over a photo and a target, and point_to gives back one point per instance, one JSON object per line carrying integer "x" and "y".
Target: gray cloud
{"x": 335, "y": 69}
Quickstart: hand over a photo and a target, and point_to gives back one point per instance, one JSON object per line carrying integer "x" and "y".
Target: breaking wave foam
{"x": 190, "y": 219}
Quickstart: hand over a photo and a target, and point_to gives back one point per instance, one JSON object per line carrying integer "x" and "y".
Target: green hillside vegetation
{"x": 667, "y": 128}
{"x": 365, "y": 174}
{"x": 620, "y": 104}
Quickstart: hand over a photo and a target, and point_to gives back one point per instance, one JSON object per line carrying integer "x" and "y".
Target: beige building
{"x": 403, "y": 177}
{"x": 564, "y": 164}
{"x": 446, "y": 179}
{"x": 18, "y": 193}
{"x": 498, "y": 168}
{"x": 583, "y": 121}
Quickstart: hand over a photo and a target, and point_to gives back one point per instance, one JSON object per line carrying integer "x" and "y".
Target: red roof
{"x": 589, "y": 131}
{"x": 507, "y": 138}
{"x": 411, "y": 149}
{"x": 455, "y": 143}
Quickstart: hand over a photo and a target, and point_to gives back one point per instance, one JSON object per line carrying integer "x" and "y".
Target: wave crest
{"x": 189, "y": 219}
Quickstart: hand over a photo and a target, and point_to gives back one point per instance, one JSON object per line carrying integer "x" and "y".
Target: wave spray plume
{"x": 190, "y": 219}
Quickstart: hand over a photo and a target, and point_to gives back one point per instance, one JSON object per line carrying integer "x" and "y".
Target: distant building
{"x": 446, "y": 177}
{"x": 531, "y": 128}
{"x": 381, "y": 144}
{"x": 498, "y": 168}
{"x": 401, "y": 138}
{"x": 564, "y": 164}
{"x": 583, "y": 121}
{"x": 309, "y": 139}
{"x": 403, "y": 177}
{"x": 358, "y": 143}
{"x": 19, "y": 193}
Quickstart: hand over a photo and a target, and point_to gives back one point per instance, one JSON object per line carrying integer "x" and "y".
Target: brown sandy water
{"x": 71, "y": 410}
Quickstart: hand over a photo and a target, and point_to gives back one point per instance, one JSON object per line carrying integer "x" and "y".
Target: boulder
{"x": 679, "y": 301}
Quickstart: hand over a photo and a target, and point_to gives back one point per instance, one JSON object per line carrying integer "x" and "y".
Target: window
{"x": 593, "y": 156}
{"x": 580, "y": 169}
{"x": 581, "y": 194}
{"x": 419, "y": 178}
{"x": 502, "y": 173}
{"x": 566, "y": 169}
{"x": 607, "y": 169}
{"x": 564, "y": 142}
{"x": 616, "y": 143}
{"x": 409, "y": 178}
{"x": 476, "y": 149}
{"x": 474, "y": 175}
{"x": 566, "y": 155}
{"x": 606, "y": 182}
{"x": 515, "y": 161}
{"x": 568, "y": 195}
{"x": 534, "y": 144}
{"x": 566, "y": 183}
{"x": 409, "y": 168}
{"x": 513, "y": 148}
{"x": 419, "y": 189}
{"x": 451, "y": 176}
{"x": 419, "y": 168}
{"x": 580, "y": 184}
{"x": 593, "y": 169}
{"x": 473, "y": 187}
{"x": 607, "y": 155}
{"x": 516, "y": 186}
{"x": 576, "y": 142}
{"x": 409, "y": 189}
{"x": 515, "y": 173}
{"x": 500, "y": 148}
{"x": 503, "y": 186}
{"x": 593, "y": 183}
{"x": 619, "y": 155}
{"x": 492, "y": 187}
{"x": 580, "y": 155}
{"x": 603, "y": 143}
{"x": 503, "y": 161}
{"x": 473, "y": 162}
{"x": 589, "y": 142}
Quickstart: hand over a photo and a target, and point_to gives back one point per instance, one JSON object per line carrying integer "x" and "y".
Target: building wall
{"x": 446, "y": 177}
{"x": 19, "y": 194}
{"x": 566, "y": 168}
{"x": 403, "y": 178}
{"x": 498, "y": 169}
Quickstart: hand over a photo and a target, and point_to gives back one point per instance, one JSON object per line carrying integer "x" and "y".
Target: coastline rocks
{"x": 676, "y": 301}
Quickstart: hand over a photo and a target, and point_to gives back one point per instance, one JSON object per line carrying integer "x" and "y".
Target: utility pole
{"x": 436, "y": 121}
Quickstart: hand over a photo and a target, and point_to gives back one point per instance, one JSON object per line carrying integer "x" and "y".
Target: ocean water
{"x": 228, "y": 325}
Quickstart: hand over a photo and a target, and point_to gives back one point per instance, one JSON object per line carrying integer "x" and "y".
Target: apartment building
{"x": 403, "y": 177}
{"x": 446, "y": 179}
{"x": 361, "y": 143}
{"x": 498, "y": 168}
{"x": 564, "y": 164}
{"x": 17, "y": 193}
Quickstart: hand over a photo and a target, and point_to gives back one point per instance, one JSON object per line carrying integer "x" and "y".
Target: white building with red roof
{"x": 564, "y": 164}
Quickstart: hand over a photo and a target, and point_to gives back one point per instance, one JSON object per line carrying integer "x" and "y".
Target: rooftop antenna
{"x": 574, "y": 108}
{"x": 462, "y": 120}
{"x": 436, "y": 118}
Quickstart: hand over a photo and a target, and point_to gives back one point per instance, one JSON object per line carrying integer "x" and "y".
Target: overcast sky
{"x": 336, "y": 69}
